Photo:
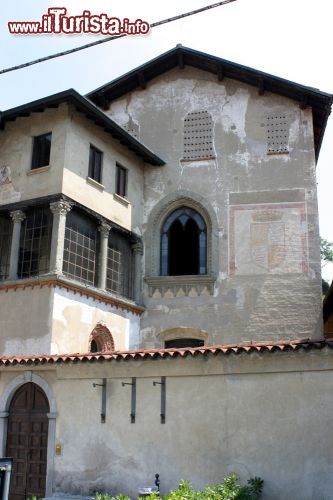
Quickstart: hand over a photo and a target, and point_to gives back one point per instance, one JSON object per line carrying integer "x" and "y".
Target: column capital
{"x": 60, "y": 207}
{"x": 17, "y": 215}
{"x": 137, "y": 247}
{"x": 104, "y": 229}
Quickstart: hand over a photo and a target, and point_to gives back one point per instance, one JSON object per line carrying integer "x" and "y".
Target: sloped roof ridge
{"x": 182, "y": 48}
{"x": 181, "y": 56}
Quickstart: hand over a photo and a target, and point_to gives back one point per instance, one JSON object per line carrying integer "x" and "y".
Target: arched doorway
{"x": 27, "y": 437}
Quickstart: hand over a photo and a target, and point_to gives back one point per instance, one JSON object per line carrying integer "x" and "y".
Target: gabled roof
{"x": 214, "y": 350}
{"x": 182, "y": 56}
{"x": 84, "y": 106}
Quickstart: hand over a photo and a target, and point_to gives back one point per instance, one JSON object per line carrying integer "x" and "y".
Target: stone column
{"x": 104, "y": 229}
{"x": 137, "y": 250}
{"x": 17, "y": 216}
{"x": 60, "y": 210}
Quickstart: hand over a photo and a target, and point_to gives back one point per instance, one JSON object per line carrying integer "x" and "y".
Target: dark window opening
{"x": 41, "y": 151}
{"x": 179, "y": 343}
{"x": 80, "y": 248}
{"x": 94, "y": 347}
{"x": 183, "y": 244}
{"x": 95, "y": 164}
{"x": 121, "y": 180}
{"x": 35, "y": 243}
{"x": 5, "y": 243}
{"x": 118, "y": 278}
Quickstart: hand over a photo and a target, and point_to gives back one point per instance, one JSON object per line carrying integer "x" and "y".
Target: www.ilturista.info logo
{"x": 56, "y": 21}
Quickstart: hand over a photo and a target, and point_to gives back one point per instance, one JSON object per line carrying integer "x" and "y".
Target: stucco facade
{"x": 253, "y": 414}
{"x": 244, "y": 189}
{"x": 175, "y": 207}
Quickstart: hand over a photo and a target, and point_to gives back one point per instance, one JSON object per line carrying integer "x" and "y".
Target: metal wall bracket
{"x": 103, "y": 411}
{"x": 163, "y": 397}
{"x": 133, "y": 398}
{"x": 157, "y": 481}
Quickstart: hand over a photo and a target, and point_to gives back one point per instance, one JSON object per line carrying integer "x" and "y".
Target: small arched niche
{"x": 101, "y": 339}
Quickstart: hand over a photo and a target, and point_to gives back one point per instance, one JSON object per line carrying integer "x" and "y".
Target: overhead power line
{"x": 115, "y": 37}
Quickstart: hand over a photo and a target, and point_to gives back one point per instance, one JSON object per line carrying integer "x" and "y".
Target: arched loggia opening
{"x": 183, "y": 243}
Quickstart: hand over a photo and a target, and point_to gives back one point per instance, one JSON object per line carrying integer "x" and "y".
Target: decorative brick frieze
{"x": 178, "y": 286}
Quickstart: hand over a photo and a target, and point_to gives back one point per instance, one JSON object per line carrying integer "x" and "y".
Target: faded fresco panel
{"x": 268, "y": 238}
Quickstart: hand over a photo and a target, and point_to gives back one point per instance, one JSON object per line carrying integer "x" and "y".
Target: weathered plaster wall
{"x": 74, "y": 317}
{"x": 261, "y": 415}
{"x": 268, "y": 271}
{"x": 100, "y": 198}
{"x": 25, "y": 321}
{"x": 16, "y": 151}
{"x": 67, "y": 172}
{"x": 57, "y": 321}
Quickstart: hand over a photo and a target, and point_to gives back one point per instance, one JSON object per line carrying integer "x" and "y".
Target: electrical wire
{"x": 111, "y": 38}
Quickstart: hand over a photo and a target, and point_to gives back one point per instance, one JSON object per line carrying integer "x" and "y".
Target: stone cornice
{"x": 53, "y": 281}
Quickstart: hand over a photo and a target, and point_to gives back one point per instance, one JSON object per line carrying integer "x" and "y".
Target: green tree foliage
{"x": 326, "y": 251}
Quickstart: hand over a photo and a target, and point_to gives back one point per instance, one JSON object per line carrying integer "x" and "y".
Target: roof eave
{"x": 319, "y": 101}
{"x": 92, "y": 112}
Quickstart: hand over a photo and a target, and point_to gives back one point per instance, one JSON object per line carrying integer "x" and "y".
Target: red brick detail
{"x": 103, "y": 338}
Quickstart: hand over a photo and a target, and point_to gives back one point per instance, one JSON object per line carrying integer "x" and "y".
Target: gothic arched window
{"x": 183, "y": 243}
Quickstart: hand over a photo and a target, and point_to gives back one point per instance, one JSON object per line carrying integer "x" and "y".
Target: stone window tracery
{"x": 172, "y": 285}
{"x": 183, "y": 243}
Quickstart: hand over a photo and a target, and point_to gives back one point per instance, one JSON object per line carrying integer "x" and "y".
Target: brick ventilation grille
{"x": 198, "y": 136}
{"x": 277, "y": 134}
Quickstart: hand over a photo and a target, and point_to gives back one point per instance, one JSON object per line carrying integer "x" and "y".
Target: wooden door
{"x": 27, "y": 441}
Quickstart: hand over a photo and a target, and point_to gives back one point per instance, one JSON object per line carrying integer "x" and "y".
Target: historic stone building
{"x": 161, "y": 233}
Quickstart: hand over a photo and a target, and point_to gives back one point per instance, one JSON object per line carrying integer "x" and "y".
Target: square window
{"x": 95, "y": 164}
{"x": 41, "y": 151}
{"x": 121, "y": 180}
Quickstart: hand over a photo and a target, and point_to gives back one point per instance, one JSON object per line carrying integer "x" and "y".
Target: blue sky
{"x": 288, "y": 38}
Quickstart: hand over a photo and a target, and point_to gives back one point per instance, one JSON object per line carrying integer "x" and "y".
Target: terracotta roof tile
{"x": 246, "y": 348}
